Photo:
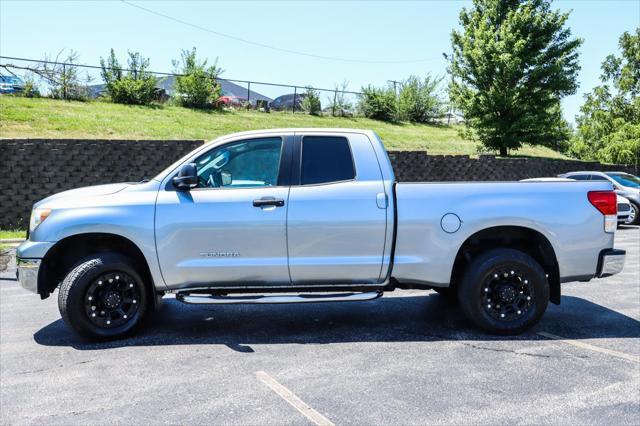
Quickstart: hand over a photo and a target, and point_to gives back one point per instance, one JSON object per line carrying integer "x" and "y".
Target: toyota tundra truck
{"x": 312, "y": 215}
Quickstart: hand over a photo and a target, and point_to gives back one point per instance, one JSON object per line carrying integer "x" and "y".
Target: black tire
{"x": 504, "y": 291}
{"x": 448, "y": 294}
{"x": 103, "y": 297}
{"x": 636, "y": 211}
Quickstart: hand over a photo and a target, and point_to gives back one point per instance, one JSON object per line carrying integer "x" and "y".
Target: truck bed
{"x": 560, "y": 211}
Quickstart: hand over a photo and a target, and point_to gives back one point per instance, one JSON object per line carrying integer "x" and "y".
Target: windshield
{"x": 625, "y": 179}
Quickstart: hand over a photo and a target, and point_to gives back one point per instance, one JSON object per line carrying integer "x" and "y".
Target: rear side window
{"x": 598, "y": 177}
{"x": 326, "y": 159}
{"x": 579, "y": 177}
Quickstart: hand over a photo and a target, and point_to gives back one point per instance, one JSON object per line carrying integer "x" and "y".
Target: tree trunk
{"x": 503, "y": 151}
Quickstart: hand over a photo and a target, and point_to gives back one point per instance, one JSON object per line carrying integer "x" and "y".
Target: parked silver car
{"x": 306, "y": 212}
{"x": 625, "y": 184}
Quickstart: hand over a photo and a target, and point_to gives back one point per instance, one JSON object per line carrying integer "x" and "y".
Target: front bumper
{"x": 27, "y": 273}
{"x": 29, "y": 257}
{"x": 611, "y": 262}
{"x": 622, "y": 217}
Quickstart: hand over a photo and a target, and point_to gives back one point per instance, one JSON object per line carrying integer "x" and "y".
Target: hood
{"x": 629, "y": 192}
{"x": 85, "y": 192}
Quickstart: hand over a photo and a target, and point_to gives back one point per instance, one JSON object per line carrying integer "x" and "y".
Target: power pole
{"x": 449, "y": 58}
{"x": 395, "y": 85}
{"x": 395, "y": 90}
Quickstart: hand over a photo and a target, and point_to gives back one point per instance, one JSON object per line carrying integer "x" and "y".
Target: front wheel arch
{"x": 69, "y": 251}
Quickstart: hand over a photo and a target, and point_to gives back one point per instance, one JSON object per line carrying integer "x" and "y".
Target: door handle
{"x": 263, "y": 202}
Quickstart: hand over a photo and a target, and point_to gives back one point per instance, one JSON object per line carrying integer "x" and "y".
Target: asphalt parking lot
{"x": 407, "y": 358}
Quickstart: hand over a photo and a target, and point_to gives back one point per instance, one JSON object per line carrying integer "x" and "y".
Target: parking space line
{"x": 293, "y": 400}
{"x": 583, "y": 345}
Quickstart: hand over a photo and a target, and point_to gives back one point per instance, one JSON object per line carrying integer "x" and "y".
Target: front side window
{"x": 243, "y": 164}
{"x": 326, "y": 159}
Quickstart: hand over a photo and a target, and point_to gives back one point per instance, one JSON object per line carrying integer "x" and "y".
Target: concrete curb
{"x": 11, "y": 240}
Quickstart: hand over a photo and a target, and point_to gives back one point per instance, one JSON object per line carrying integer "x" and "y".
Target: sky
{"x": 359, "y": 42}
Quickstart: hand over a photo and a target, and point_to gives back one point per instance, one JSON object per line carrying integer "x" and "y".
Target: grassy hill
{"x": 47, "y": 118}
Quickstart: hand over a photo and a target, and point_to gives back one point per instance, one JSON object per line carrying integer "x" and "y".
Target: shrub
{"x": 30, "y": 88}
{"x": 418, "y": 101}
{"x": 136, "y": 87}
{"x": 339, "y": 104}
{"x": 379, "y": 103}
{"x": 197, "y": 86}
{"x": 63, "y": 77}
{"x": 311, "y": 102}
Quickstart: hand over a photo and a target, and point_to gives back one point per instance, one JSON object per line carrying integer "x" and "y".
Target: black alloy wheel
{"x": 507, "y": 294}
{"x": 112, "y": 300}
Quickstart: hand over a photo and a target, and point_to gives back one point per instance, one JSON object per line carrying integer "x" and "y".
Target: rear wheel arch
{"x": 527, "y": 240}
{"x": 70, "y": 251}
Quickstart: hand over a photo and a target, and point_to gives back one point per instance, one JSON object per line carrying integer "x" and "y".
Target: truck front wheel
{"x": 103, "y": 297}
{"x": 504, "y": 291}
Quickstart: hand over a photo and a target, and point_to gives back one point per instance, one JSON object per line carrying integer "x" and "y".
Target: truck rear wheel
{"x": 103, "y": 297}
{"x": 504, "y": 291}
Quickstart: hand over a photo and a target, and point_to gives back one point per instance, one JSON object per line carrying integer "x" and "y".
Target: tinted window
{"x": 326, "y": 159}
{"x": 625, "y": 179}
{"x": 579, "y": 177}
{"x": 598, "y": 177}
{"x": 249, "y": 163}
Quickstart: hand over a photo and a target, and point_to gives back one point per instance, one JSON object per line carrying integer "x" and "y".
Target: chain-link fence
{"x": 69, "y": 80}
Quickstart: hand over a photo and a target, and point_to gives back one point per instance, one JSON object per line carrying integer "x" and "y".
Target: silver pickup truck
{"x": 312, "y": 215}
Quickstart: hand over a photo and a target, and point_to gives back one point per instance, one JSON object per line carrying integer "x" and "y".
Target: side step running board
{"x": 261, "y": 299}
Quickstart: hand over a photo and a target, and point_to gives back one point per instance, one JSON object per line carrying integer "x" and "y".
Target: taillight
{"x": 604, "y": 201}
{"x": 607, "y": 204}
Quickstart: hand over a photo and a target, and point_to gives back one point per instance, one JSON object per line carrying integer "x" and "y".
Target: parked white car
{"x": 625, "y": 210}
{"x": 624, "y": 184}
{"x": 624, "y": 206}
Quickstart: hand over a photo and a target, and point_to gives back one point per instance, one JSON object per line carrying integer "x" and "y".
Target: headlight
{"x": 37, "y": 217}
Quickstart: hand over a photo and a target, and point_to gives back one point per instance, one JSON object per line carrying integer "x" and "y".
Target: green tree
{"x": 311, "y": 101}
{"x": 379, "y": 103}
{"x": 609, "y": 119}
{"x": 197, "y": 86}
{"x": 135, "y": 86}
{"x": 513, "y": 60}
{"x": 418, "y": 101}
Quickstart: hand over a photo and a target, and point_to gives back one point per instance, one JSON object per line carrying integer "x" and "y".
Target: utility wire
{"x": 267, "y": 46}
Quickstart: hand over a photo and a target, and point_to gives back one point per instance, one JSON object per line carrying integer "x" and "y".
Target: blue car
{"x": 11, "y": 84}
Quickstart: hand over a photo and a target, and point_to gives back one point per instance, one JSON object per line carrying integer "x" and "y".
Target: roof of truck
{"x": 294, "y": 130}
